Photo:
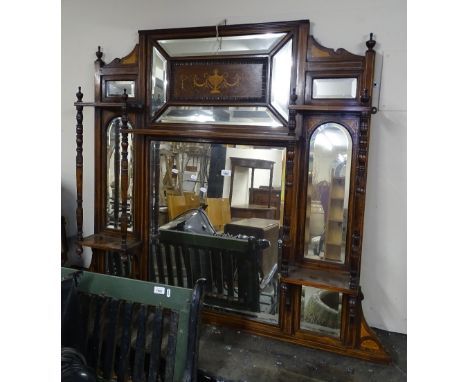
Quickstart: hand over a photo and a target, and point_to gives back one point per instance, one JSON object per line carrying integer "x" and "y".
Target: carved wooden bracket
{"x": 292, "y": 114}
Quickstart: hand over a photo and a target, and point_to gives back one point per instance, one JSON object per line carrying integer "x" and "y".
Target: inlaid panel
{"x": 219, "y": 80}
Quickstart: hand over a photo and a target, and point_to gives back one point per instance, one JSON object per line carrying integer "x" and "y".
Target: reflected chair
{"x": 219, "y": 212}
{"x": 191, "y": 200}
{"x": 175, "y": 206}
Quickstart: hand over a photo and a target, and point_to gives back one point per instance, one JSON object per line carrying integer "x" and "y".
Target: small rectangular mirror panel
{"x": 334, "y": 88}
{"x": 321, "y": 311}
{"x": 116, "y": 88}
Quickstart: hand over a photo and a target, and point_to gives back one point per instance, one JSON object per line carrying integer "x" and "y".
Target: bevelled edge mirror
{"x": 334, "y": 88}
{"x": 205, "y": 79}
{"x": 328, "y": 183}
{"x": 321, "y": 311}
{"x": 113, "y": 174}
{"x": 216, "y": 212}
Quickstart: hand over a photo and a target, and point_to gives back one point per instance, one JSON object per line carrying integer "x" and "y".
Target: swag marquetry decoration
{"x": 215, "y": 82}
{"x": 233, "y": 80}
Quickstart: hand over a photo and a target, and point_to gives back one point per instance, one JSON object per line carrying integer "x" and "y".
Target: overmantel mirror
{"x": 238, "y": 154}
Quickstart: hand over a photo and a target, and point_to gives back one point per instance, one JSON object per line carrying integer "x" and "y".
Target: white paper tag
{"x": 226, "y": 172}
{"x": 168, "y": 293}
{"x": 175, "y": 171}
{"x": 159, "y": 290}
{"x": 203, "y": 189}
{"x": 193, "y": 177}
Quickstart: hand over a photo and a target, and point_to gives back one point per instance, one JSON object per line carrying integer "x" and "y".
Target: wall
{"x": 113, "y": 24}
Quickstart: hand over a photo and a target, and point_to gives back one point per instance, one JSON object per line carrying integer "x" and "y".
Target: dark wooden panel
{"x": 234, "y": 80}
{"x": 110, "y": 337}
{"x": 156, "y": 338}
{"x": 139, "y": 363}
{"x": 125, "y": 342}
{"x": 171, "y": 345}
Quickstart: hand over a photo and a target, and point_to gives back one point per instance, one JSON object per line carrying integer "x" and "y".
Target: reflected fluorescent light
{"x": 202, "y": 118}
{"x": 334, "y": 138}
{"x": 324, "y": 141}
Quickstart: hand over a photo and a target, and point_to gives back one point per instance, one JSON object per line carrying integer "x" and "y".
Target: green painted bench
{"x": 229, "y": 264}
{"x": 137, "y": 330}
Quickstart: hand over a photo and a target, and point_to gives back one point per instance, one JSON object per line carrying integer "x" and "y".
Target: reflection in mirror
{"x": 327, "y": 193}
{"x": 116, "y": 88}
{"x": 216, "y": 213}
{"x": 281, "y": 79}
{"x": 113, "y": 194}
{"x": 222, "y": 115}
{"x": 334, "y": 88}
{"x": 321, "y": 311}
{"x": 158, "y": 81}
{"x": 226, "y": 45}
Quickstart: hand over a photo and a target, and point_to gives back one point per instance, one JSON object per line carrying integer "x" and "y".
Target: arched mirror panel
{"x": 113, "y": 189}
{"x": 329, "y": 164}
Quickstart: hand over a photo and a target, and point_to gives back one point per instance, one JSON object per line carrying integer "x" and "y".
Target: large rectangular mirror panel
{"x": 216, "y": 212}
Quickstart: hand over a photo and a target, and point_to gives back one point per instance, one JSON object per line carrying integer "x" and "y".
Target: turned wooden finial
{"x": 125, "y": 95}
{"x": 79, "y": 95}
{"x": 365, "y": 96}
{"x": 99, "y": 55}
{"x": 293, "y": 97}
{"x": 371, "y": 42}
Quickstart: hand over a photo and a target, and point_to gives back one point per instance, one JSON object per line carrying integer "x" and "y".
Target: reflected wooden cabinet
{"x": 271, "y": 126}
{"x": 262, "y": 196}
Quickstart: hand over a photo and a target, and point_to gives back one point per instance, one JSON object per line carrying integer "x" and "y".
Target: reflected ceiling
{"x": 251, "y": 44}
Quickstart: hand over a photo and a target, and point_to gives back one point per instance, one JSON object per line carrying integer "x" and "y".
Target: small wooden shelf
{"x": 109, "y": 242}
{"x": 325, "y": 279}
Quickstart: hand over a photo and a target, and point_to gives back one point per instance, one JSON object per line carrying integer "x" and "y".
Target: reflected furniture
{"x": 178, "y": 204}
{"x": 229, "y": 265}
{"x": 335, "y": 217}
{"x": 251, "y": 209}
{"x": 262, "y": 196}
{"x": 219, "y": 212}
{"x": 269, "y": 85}
{"x": 267, "y": 229}
{"x": 243, "y": 211}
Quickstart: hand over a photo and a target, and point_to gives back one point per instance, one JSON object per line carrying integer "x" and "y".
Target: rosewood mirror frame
{"x": 310, "y": 61}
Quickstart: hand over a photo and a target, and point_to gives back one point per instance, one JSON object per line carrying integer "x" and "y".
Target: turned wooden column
{"x": 124, "y": 174}
{"x": 116, "y": 191}
{"x": 288, "y": 190}
{"x": 79, "y": 171}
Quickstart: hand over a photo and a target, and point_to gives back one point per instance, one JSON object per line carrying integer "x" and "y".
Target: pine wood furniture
{"x": 188, "y": 86}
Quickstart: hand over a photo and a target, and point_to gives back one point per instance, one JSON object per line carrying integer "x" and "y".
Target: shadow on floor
{"x": 228, "y": 354}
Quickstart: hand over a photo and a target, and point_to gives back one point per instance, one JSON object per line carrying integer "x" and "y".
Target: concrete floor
{"x": 227, "y": 354}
